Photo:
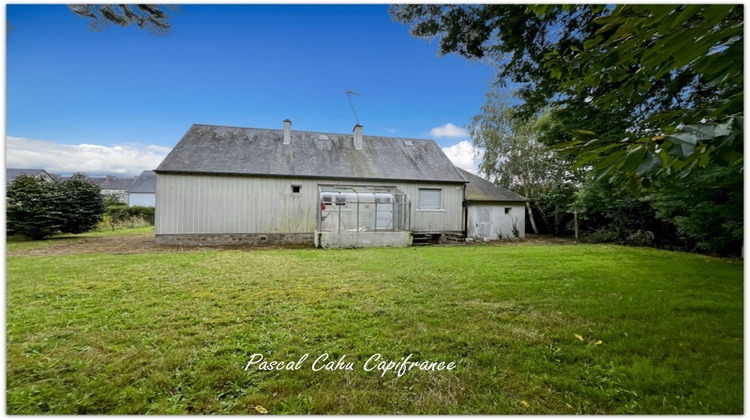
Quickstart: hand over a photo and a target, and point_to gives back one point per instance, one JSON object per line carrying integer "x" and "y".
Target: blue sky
{"x": 115, "y": 101}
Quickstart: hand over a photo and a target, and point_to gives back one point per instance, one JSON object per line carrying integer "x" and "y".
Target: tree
{"x": 146, "y": 16}
{"x": 706, "y": 208}
{"x": 622, "y": 213}
{"x": 643, "y": 90}
{"x": 31, "y": 207}
{"x": 39, "y": 209}
{"x": 82, "y": 203}
{"x": 512, "y": 156}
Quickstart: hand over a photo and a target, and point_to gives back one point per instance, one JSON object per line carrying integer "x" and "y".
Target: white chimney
{"x": 358, "y": 137}
{"x": 287, "y": 131}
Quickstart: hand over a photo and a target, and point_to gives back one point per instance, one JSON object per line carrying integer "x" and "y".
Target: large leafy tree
{"x": 705, "y": 208}
{"x": 513, "y": 158}
{"x": 641, "y": 89}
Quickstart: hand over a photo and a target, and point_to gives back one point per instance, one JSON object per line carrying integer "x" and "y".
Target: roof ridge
{"x": 310, "y": 132}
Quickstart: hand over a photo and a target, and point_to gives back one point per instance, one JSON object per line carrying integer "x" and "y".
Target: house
{"x": 142, "y": 192}
{"x": 248, "y": 185}
{"x": 112, "y": 185}
{"x": 11, "y": 174}
{"x": 492, "y": 212}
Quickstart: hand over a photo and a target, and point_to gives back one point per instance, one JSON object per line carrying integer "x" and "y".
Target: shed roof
{"x": 144, "y": 183}
{"x": 480, "y": 189}
{"x": 253, "y": 151}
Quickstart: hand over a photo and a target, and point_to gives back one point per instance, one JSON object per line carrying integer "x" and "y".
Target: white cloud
{"x": 464, "y": 156}
{"x": 448, "y": 130}
{"x": 89, "y": 158}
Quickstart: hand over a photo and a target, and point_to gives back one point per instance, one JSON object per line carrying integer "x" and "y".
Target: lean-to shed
{"x": 493, "y": 212}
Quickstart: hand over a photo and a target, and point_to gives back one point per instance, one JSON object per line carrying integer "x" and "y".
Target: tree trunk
{"x": 556, "y": 231}
{"x": 531, "y": 218}
{"x": 528, "y": 205}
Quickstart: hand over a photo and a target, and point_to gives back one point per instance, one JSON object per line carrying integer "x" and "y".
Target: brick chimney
{"x": 358, "y": 137}
{"x": 287, "y": 131}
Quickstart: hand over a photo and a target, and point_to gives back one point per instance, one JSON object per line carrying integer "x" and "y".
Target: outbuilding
{"x": 142, "y": 192}
{"x": 493, "y": 212}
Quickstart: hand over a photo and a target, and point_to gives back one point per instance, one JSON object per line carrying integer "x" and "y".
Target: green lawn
{"x": 660, "y": 332}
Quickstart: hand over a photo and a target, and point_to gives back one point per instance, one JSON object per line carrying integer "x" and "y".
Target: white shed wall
{"x": 190, "y": 204}
{"x": 490, "y": 221}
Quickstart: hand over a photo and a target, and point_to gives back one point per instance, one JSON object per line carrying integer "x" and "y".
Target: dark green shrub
{"x": 39, "y": 209}
{"x": 32, "y": 207}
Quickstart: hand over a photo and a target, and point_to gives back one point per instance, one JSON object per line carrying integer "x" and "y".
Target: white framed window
{"x": 430, "y": 199}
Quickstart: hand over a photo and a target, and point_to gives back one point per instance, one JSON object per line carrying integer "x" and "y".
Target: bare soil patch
{"x": 530, "y": 239}
{"x": 135, "y": 244}
{"x": 145, "y": 244}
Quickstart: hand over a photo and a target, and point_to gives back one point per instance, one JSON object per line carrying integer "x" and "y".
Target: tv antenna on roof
{"x": 349, "y": 94}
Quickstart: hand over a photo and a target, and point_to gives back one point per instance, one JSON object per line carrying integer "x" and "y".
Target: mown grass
{"x": 20, "y": 242}
{"x": 662, "y": 332}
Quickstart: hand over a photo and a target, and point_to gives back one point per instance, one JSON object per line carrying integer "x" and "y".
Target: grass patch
{"x": 661, "y": 332}
{"x": 21, "y": 243}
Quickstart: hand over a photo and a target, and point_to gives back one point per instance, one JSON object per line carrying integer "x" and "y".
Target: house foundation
{"x": 362, "y": 239}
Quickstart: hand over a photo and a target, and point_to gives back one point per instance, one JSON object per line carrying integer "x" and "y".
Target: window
{"x": 430, "y": 199}
{"x": 507, "y": 210}
{"x": 296, "y": 189}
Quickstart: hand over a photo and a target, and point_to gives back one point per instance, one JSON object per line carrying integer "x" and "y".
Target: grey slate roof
{"x": 480, "y": 189}
{"x": 13, "y": 173}
{"x": 144, "y": 183}
{"x": 252, "y": 151}
{"x": 112, "y": 183}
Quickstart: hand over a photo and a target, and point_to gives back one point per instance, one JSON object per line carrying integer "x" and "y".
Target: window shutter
{"x": 429, "y": 199}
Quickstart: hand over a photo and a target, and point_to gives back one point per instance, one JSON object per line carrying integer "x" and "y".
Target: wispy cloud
{"x": 448, "y": 130}
{"x": 464, "y": 156}
{"x": 92, "y": 159}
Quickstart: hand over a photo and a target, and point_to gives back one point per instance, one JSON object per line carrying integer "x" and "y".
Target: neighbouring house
{"x": 493, "y": 212}
{"x": 247, "y": 185}
{"x": 142, "y": 192}
{"x": 114, "y": 186}
{"x": 12, "y": 173}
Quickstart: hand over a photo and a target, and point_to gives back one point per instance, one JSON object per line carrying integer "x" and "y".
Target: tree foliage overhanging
{"x": 38, "y": 209}
{"x": 644, "y": 93}
{"x": 639, "y": 89}
{"x": 150, "y": 17}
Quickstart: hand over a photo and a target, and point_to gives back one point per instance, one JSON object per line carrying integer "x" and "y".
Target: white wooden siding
{"x": 237, "y": 204}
